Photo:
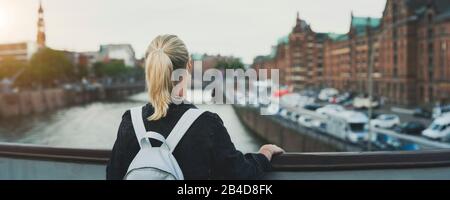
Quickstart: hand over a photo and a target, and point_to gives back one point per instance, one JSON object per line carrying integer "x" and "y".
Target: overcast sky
{"x": 243, "y": 28}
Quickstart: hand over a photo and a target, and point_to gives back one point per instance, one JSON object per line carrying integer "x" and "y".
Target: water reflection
{"x": 95, "y": 126}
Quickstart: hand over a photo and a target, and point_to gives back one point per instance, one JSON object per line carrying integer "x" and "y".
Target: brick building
{"x": 433, "y": 55}
{"x": 411, "y": 64}
{"x": 347, "y": 55}
{"x": 306, "y": 49}
{"x": 299, "y": 57}
{"x": 413, "y": 53}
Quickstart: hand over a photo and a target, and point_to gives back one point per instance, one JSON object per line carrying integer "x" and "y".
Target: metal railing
{"x": 423, "y": 142}
{"x": 288, "y": 161}
{"x": 57, "y": 154}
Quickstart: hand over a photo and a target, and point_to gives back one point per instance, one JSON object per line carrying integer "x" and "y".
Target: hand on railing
{"x": 269, "y": 150}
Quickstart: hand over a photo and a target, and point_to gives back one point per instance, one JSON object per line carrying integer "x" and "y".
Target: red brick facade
{"x": 411, "y": 64}
{"x": 299, "y": 57}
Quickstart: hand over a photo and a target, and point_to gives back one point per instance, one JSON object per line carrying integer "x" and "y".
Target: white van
{"x": 439, "y": 129}
{"x": 364, "y": 103}
{"x": 327, "y": 93}
{"x": 329, "y": 109}
{"x": 347, "y": 125}
{"x": 440, "y": 110}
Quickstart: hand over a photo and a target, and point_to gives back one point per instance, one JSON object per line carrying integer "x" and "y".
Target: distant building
{"x": 105, "y": 54}
{"x": 305, "y": 49}
{"x": 91, "y": 57}
{"x": 122, "y": 52}
{"x": 264, "y": 62}
{"x": 412, "y": 60}
{"x": 299, "y": 56}
{"x": 22, "y": 51}
{"x": 211, "y": 61}
{"x": 425, "y": 55}
{"x": 411, "y": 63}
{"x": 347, "y": 55}
{"x": 41, "y": 39}
{"x": 77, "y": 58}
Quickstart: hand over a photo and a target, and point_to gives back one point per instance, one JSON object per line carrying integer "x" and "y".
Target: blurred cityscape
{"x": 410, "y": 47}
{"x": 380, "y": 85}
{"x": 384, "y": 85}
{"x": 390, "y": 73}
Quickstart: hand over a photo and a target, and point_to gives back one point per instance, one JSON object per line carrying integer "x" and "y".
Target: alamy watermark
{"x": 248, "y": 87}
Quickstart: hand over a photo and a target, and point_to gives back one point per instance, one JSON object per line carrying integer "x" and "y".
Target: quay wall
{"x": 31, "y": 102}
{"x": 290, "y": 136}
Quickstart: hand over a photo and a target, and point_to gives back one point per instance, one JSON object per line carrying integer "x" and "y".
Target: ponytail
{"x": 165, "y": 53}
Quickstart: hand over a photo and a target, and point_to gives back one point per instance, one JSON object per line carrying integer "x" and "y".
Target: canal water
{"x": 95, "y": 125}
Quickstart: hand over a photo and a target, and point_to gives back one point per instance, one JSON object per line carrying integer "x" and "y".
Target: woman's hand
{"x": 269, "y": 150}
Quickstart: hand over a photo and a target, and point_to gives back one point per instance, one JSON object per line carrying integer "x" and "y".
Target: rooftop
{"x": 283, "y": 40}
{"x": 360, "y": 24}
{"x": 337, "y": 36}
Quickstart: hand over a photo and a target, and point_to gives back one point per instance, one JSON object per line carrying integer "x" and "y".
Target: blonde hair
{"x": 165, "y": 54}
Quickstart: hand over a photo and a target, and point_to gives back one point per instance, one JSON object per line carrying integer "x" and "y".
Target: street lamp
{"x": 378, "y": 38}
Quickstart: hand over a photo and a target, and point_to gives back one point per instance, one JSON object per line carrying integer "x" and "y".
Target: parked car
{"x": 290, "y": 100}
{"x": 410, "y": 128}
{"x": 374, "y": 114}
{"x": 294, "y": 116}
{"x": 439, "y": 129}
{"x": 347, "y": 125}
{"x": 423, "y": 113}
{"x": 364, "y": 103}
{"x": 309, "y": 93}
{"x": 273, "y": 109}
{"x": 327, "y": 93}
{"x": 312, "y": 107}
{"x": 284, "y": 113}
{"x": 340, "y": 99}
{"x": 386, "y": 121}
{"x": 330, "y": 108}
{"x": 440, "y": 110}
{"x": 345, "y": 97}
{"x": 308, "y": 122}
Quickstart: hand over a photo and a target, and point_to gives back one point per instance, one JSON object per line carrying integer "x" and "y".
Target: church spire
{"x": 41, "y": 27}
{"x": 298, "y": 25}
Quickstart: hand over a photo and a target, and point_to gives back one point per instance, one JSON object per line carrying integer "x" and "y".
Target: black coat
{"x": 205, "y": 151}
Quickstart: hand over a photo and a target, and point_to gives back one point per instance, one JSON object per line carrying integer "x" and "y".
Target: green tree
{"x": 10, "y": 67}
{"x": 113, "y": 68}
{"x": 233, "y": 63}
{"x": 48, "y": 65}
{"x": 81, "y": 71}
{"x": 222, "y": 64}
{"x": 236, "y": 64}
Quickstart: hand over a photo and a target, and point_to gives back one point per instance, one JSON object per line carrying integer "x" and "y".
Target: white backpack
{"x": 158, "y": 163}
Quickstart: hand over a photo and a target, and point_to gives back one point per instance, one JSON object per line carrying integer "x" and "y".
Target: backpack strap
{"x": 139, "y": 129}
{"x": 181, "y": 127}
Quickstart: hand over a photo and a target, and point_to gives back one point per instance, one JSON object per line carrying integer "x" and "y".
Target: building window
{"x": 430, "y": 17}
{"x": 395, "y": 11}
{"x": 421, "y": 92}
{"x": 442, "y": 58}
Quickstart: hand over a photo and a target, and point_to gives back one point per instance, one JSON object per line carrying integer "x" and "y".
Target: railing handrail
{"x": 416, "y": 139}
{"x": 361, "y": 160}
{"x": 286, "y": 162}
{"x": 411, "y": 138}
{"x": 63, "y": 154}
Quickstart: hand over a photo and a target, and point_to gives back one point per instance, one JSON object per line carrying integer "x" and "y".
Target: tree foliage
{"x": 113, "y": 68}
{"x": 234, "y": 63}
{"x": 10, "y": 67}
{"x": 48, "y": 66}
